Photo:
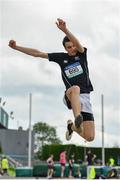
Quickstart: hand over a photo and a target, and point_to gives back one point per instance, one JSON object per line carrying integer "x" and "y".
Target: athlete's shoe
{"x": 78, "y": 121}
{"x": 69, "y": 131}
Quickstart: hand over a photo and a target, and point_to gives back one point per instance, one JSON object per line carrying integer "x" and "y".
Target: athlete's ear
{"x": 65, "y": 48}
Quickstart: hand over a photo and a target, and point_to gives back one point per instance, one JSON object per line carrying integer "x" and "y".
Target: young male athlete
{"x": 75, "y": 75}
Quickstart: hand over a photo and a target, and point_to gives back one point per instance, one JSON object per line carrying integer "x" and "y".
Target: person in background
{"x": 113, "y": 174}
{"x": 50, "y": 163}
{"x": 90, "y": 158}
{"x": 63, "y": 162}
{"x": 111, "y": 162}
{"x": 5, "y": 165}
{"x": 71, "y": 163}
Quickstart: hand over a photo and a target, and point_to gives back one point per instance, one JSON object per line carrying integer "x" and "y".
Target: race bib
{"x": 73, "y": 70}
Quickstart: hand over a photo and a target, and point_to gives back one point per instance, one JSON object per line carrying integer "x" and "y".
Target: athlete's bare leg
{"x": 73, "y": 94}
{"x": 88, "y": 130}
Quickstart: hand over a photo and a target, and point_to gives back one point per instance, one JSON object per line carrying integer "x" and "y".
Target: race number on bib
{"x": 73, "y": 70}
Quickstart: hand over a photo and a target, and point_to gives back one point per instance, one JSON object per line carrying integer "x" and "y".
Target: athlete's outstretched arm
{"x": 61, "y": 24}
{"x": 29, "y": 51}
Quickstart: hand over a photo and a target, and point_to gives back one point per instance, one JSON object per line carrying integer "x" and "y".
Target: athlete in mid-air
{"x": 75, "y": 75}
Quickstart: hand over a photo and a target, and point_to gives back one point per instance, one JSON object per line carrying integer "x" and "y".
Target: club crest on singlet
{"x": 73, "y": 70}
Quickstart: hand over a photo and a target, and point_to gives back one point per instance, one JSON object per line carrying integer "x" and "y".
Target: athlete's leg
{"x": 88, "y": 130}
{"x": 72, "y": 98}
{"x": 73, "y": 94}
{"x": 85, "y": 128}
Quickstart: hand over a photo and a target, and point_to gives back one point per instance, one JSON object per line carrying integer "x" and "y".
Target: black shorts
{"x": 50, "y": 166}
{"x": 86, "y": 115}
{"x": 62, "y": 164}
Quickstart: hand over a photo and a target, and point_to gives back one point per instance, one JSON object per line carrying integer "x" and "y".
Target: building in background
{"x": 14, "y": 142}
{"x": 4, "y": 118}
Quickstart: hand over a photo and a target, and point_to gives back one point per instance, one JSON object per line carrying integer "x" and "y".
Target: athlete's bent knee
{"x": 89, "y": 138}
{"x": 75, "y": 90}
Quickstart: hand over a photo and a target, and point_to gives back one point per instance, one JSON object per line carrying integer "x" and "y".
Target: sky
{"x": 32, "y": 24}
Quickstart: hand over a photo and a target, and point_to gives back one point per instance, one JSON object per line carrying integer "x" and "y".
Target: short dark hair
{"x": 65, "y": 39}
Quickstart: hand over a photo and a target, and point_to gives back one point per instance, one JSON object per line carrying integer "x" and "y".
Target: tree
{"x": 45, "y": 134}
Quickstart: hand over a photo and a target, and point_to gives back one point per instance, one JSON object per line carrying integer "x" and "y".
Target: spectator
{"x": 90, "y": 158}
{"x": 111, "y": 161}
{"x": 71, "y": 162}
{"x": 73, "y": 158}
{"x": 50, "y": 163}
{"x": 113, "y": 174}
{"x": 5, "y": 165}
{"x": 118, "y": 161}
{"x": 62, "y": 162}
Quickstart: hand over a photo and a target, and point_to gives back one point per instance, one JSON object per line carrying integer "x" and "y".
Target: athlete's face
{"x": 70, "y": 48}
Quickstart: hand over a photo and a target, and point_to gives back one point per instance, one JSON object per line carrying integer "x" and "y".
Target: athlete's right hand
{"x": 12, "y": 44}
